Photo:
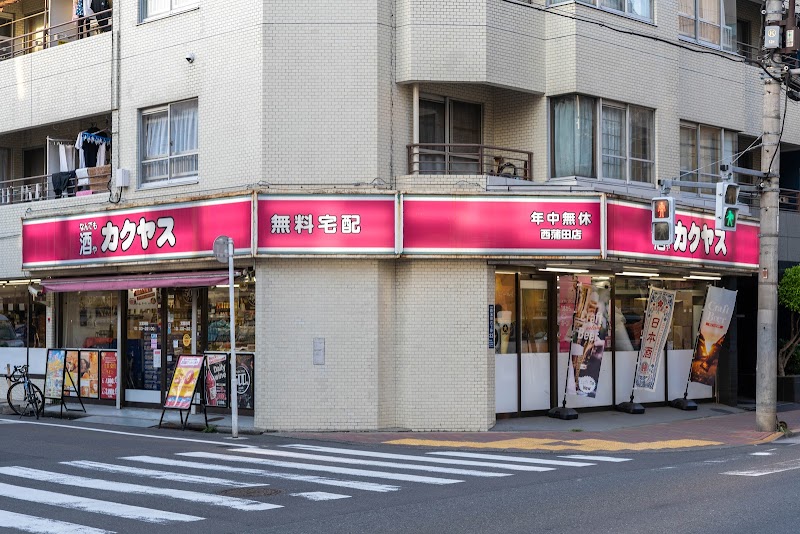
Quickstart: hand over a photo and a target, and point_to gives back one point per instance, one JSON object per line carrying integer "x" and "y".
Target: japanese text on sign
{"x": 116, "y": 238}
{"x": 690, "y": 239}
{"x": 567, "y": 218}
{"x": 284, "y": 224}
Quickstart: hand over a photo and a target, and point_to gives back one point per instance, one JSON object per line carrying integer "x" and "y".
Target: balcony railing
{"x": 51, "y": 186}
{"x": 39, "y": 39}
{"x": 454, "y": 158}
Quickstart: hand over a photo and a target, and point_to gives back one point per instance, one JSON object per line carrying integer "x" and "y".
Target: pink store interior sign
{"x": 327, "y": 224}
{"x": 170, "y": 231}
{"x": 503, "y": 225}
{"x": 696, "y": 240}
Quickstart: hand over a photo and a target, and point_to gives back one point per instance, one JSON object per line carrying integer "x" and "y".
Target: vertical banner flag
{"x": 589, "y": 333}
{"x": 714, "y": 325}
{"x": 657, "y": 322}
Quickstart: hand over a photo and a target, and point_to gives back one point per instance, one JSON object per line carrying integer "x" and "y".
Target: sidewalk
{"x": 659, "y": 428}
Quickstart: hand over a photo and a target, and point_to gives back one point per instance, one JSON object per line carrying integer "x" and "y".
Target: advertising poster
{"x": 657, "y": 322}
{"x": 108, "y": 374}
{"x": 714, "y": 325}
{"x": 245, "y": 362}
{"x": 72, "y": 376}
{"x": 184, "y": 382}
{"x": 217, "y": 379}
{"x": 566, "y": 307}
{"x": 589, "y": 333}
{"x": 54, "y": 374}
{"x": 89, "y": 369}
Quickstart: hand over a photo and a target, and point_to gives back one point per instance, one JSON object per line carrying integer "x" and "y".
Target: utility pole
{"x": 767, "y": 335}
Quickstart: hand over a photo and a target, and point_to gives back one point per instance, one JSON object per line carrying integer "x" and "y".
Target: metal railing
{"x": 37, "y": 188}
{"x": 455, "y": 158}
{"x": 26, "y": 43}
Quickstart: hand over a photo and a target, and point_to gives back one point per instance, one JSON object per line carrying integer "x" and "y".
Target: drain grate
{"x": 257, "y": 491}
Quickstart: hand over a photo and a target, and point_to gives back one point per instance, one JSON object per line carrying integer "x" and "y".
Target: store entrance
{"x": 161, "y": 325}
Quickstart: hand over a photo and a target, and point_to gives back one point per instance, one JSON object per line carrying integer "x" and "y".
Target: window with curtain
{"x": 641, "y": 9}
{"x": 169, "y": 143}
{"x": 444, "y": 122}
{"x": 703, "y": 149}
{"x": 573, "y": 125}
{"x": 154, "y": 8}
{"x": 709, "y": 22}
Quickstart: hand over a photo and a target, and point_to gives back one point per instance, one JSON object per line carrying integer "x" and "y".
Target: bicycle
{"x": 23, "y": 395}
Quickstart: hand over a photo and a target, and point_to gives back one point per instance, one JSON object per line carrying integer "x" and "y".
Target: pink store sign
{"x": 503, "y": 225}
{"x": 696, "y": 240}
{"x": 327, "y": 224}
{"x": 170, "y": 231}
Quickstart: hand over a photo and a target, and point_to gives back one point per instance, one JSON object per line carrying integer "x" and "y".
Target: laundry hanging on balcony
{"x": 91, "y": 148}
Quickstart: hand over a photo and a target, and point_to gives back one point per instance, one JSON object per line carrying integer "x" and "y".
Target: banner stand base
{"x": 630, "y": 407}
{"x": 683, "y": 404}
{"x": 562, "y": 412}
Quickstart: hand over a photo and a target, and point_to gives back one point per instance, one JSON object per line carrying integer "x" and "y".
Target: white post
{"x": 234, "y": 382}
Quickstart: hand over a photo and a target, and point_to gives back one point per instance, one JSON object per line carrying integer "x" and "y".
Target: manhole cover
{"x": 256, "y": 491}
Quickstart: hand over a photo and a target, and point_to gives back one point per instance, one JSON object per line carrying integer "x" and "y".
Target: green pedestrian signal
{"x": 730, "y": 218}
{"x": 726, "y": 212}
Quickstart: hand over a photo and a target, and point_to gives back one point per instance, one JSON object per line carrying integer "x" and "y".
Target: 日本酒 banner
{"x": 657, "y": 322}
{"x": 590, "y": 331}
{"x": 151, "y": 233}
{"x": 714, "y": 325}
{"x": 327, "y": 224}
{"x": 696, "y": 240}
{"x": 502, "y": 225}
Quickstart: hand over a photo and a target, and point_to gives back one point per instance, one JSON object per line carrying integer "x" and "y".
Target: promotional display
{"x": 108, "y": 362}
{"x": 184, "y": 382}
{"x": 217, "y": 379}
{"x": 72, "y": 376}
{"x": 245, "y": 379}
{"x": 714, "y": 325}
{"x": 54, "y": 374}
{"x": 89, "y": 374}
{"x": 590, "y": 329}
{"x": 657, "y": 323}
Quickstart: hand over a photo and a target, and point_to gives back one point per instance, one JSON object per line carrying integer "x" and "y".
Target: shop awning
{"x": 136, "y": 281}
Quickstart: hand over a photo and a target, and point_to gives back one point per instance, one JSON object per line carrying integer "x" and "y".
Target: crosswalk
{"x": 150, "y": 488}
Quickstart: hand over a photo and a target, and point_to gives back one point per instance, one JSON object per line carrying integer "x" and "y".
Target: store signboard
{"x": 152, "y": 233}
{"x": 184, "y": 382}
{"x": 502, "y": 225}
{"x": 108, "y": 374}
{"x": 327, "y": 224}
{"x": 696, "y": 240}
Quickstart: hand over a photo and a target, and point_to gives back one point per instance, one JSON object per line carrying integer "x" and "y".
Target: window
{"x": 703, "y": 150}
{"x": 444, "y": 123}
{"x": 15, "y": 317}
{"x": 153, "y": 8}
{"x": 625, "y": 139}
{"x": 641, "y": 9}
{"x": 169, "y": 143}
{"x": 710, "y": 22}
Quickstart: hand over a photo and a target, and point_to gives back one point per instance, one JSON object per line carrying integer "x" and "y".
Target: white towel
{"x": 83, "y": 176}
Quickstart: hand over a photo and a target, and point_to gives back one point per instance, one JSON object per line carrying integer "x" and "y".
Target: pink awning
{"x": 136, "y": 281}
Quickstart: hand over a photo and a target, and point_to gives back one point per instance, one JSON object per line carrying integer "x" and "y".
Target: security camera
{"x": 190, "y": 57}
{"x": 35, "y": 291}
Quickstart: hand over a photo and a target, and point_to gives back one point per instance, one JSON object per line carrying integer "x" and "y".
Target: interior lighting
{"x": 637, "y": 273}
{"x": 563, "y": 270}
{"x": 702, "y": 277}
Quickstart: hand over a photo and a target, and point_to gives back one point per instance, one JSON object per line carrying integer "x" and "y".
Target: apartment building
{"x": 413, "y": 189}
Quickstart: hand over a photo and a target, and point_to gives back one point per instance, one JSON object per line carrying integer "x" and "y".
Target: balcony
{"x": 52, "y": 186}
{"x": 469, "y": 159}
{"x": 49, "y": 26}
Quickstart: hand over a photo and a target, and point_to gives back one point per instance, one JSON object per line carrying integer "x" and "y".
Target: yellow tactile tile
{"x": 583, "y": 445}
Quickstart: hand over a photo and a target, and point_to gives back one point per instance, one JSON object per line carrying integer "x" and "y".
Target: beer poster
{"x": 657, "y": 323}
{"x": 184, "y": 382}
{"x": 54, "y": 374}
{"x": 89, "y": 370}
{"x": 590, "y": 330}
{"x": 714, "y": 325}
{"x": 108, "y": 375}
{"x": 72, "y": 375}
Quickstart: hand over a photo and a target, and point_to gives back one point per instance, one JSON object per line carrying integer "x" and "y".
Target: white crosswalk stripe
{"x": 413, "y": 458}
{"x": 320, "y": 496}
{"x": 394, "y": 465}
{"x": 314, "y": 479}
{"x": 158, "y": 475}
{"x": 323, "y": 468}
{"x": 148, "y": 515}
{"x": 596, "y": 458}
{"x": 41, "y": 525}
{"x": 135, "y": 489}
{"x": 514, "y": 459}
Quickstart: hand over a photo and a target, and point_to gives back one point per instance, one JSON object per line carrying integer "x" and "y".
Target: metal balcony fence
{"x": 25, "y": 43}
{"x": 37, "y": 188}
{"x": 457, "y": 158}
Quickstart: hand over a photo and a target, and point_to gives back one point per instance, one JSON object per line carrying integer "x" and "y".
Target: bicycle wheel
{"x": 20, "y": 405}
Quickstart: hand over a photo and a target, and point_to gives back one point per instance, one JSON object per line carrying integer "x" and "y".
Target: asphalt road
{"x": 133, "y": 481}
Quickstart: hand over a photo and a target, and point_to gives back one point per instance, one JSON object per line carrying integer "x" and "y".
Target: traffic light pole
{"x": 767, "y": 329}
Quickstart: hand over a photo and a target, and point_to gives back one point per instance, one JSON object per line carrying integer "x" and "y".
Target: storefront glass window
{"x": 629, "y": 305}
{"x": 689, "y": 301}
{"x": 143, "y": 349}
{"x": 504, "y": 313}
{"x": 90, "y": 319}
{"x": 14, "y": 318}
{"x": 219, "y": 331}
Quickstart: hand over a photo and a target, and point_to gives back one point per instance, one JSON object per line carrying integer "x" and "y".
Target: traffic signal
{"x": 663, "y": 220}
{"x": 726, "y": 213}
